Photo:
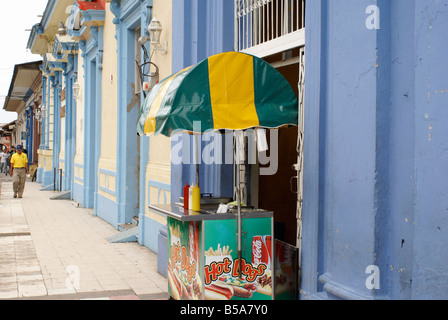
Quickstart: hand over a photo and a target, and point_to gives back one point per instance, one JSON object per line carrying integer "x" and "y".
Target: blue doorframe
{"x": 70, "y": 121}
{"x": 92, "y": 114}
{"x": 130, "y": 15}
{"x": 57, "y": 127}
{"x": 41, "y": 146}
{"x": 50, "y": 84}
{"x": 72, "y": 124}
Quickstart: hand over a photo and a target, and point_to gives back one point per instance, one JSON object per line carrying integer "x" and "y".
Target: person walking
{"x": 19, "y": 167}
{"x": 4, "y": 156}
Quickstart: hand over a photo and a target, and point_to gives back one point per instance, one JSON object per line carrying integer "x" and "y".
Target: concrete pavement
{"x": 52, "y": 249}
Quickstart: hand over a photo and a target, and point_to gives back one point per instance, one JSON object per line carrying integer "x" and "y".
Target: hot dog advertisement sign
{"x": 203, "y": 260}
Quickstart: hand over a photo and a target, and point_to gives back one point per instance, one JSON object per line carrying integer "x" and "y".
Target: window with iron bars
{"x": 261, "y": 21}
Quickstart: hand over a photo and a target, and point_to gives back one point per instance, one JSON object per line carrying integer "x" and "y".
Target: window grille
{"x": 261, "y": 21}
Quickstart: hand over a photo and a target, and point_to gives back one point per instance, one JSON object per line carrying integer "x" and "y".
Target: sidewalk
{"x": 51, "y": 249}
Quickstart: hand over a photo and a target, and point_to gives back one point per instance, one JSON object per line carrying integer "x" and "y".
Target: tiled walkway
{"x": 53, "y": 249}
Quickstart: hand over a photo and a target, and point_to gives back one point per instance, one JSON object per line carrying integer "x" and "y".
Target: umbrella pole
{"x": 197, "y": 159}
{"x": 238, "y": 199}
{"x": 239, "y": 220}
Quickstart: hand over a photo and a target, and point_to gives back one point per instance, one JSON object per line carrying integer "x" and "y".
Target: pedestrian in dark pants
{"x": 8, "y": 160}
{"x": 19, "y": 166}
{"x": 4, "y": 165}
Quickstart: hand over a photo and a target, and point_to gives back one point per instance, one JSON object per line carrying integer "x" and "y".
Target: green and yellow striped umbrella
{"x": 231, "y": 90}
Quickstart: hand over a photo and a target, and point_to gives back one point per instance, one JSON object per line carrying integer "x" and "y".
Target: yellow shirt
{"x": 19, "y": 160}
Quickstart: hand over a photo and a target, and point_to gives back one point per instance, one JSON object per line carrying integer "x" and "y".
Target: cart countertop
{"x": 207, "y": 212}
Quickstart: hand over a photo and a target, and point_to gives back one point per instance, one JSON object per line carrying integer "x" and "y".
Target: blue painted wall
{"x": 375, "y": 150}
{"x": 430, "y": 275}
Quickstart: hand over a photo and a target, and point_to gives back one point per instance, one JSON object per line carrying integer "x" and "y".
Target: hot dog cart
{"x": 234, "y": 254}
{"x": 202, "y": 255}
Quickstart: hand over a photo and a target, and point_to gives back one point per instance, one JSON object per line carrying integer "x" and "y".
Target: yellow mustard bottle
{"x": 196, "y": 198}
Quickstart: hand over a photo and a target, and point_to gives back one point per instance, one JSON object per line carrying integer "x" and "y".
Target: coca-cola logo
{"x": 256, "y": 249}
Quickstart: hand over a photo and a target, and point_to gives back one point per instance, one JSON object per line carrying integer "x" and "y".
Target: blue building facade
{"x": 375, "y": 159}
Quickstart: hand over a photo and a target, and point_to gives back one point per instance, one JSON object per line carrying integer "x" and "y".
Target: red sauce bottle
{"x": 186, "y": 189}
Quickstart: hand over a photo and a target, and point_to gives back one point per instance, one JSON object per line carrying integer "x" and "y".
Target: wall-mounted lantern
{"x": 76, "y": 90}
{"x": 155, "y": 30}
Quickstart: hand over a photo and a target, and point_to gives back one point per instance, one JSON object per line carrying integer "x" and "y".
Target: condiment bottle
{"x": 196, "y": 198}
{"x": 186, "y": 195}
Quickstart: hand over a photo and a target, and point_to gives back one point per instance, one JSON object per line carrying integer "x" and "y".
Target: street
{"x": 54, "y": 250}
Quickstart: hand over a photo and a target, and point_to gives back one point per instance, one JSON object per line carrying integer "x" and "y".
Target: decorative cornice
{"x": 92, "y": 43}
{"x": 83, "y": 47}
{"x": 50, "y": 65}
{"x": 70, "y": 64}
{"x": 94, "y": 46}
{"x": 47, "y": 58}
{"x": 115, "y": 9}
{"x": 74, "y": 22}
{"x": 64, "y": 45}
{"x": 146, "y": 17}
{"x": 36, "y": 30}
{"x": 57, "y": 54}
{"x": 93, "y": 17}
{"x": 51, "y": 5}
{"x": 82, "y": 18}
{"x": 127, "y": 8}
